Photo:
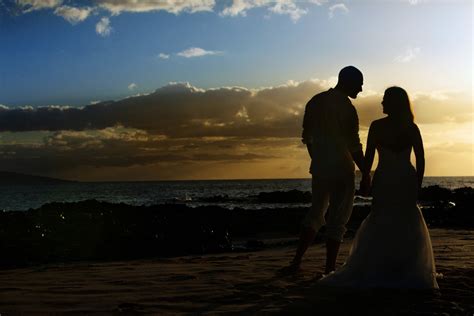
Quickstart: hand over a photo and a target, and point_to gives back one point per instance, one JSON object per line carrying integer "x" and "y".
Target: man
{"x": 331, "y": 134}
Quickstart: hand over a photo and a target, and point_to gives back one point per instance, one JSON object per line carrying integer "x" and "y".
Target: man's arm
{"x": 353, "y": 139}
{"x": 355, "y": 148}
{"x": 358, "y": 157}
{"x": 364, "y": 185}
{"x": 307, "y": 136}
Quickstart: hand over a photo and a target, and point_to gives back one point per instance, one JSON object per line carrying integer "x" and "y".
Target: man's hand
{"x": 364, "y": 187}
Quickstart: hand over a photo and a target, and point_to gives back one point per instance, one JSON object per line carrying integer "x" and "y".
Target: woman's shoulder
{"x": 386, "y": 122}
{"x": 413, "y": 128}
{"x": 378, "y": 123}
{"x": 410, "y": 127}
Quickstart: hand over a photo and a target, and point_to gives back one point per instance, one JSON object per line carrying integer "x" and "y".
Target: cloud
{"x": 341, "y": 7}
{"x": 415, "y": 2}
{"x": 163, "y": 56}
{"x": 183, "y": 131}
{"x": 283, "y": 7}
{"x": 409, "y": 55}
{"x": 288, "y": 8}
{"x": 32, "y": 5}
{"x": 119, "y": 153}
{"x": 240, "y": 7}
{"x": 180, "y": 110}
{"x": 123, "y": 147}
{"x": 103, "y": 27}
{"x": 197, "y": 52}
{"x": 72, "y": 14}
{"x": 441, "y": 107}
{"x": 172, "y": 6}
{"x": 132, "y": 86}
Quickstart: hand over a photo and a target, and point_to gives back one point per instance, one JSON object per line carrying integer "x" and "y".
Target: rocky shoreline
{"x": 93, "y": 230}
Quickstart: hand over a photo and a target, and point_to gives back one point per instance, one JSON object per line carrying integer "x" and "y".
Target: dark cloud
{"x": 180, "y": 127}
{"x": 120, "y": 147}
{"x": 181, "y": 110}
{"x": 177, "y": 110}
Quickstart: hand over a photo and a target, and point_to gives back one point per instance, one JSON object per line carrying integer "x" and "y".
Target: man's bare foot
{"x": 318, "y": 275}
{"x": 329, "y": 271}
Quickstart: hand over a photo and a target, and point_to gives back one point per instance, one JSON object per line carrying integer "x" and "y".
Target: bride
{"x": 392, "y": 248}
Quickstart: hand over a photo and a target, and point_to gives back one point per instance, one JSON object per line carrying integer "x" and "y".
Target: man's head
{"x": 350, "y": 81}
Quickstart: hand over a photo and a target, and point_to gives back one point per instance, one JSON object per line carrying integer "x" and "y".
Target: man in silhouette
{"x": 331, "y": 134}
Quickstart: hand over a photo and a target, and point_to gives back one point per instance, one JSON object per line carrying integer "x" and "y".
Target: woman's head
{"x": 396, "y": 104}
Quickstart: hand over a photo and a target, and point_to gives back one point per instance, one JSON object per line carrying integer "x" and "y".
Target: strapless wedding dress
{"x": 392, "y": 248}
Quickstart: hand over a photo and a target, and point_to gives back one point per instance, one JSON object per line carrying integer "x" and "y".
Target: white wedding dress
{"x": 392, "y": 248}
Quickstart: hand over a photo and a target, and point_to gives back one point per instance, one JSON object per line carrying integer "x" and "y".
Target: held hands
{"x": 364, "y": 187}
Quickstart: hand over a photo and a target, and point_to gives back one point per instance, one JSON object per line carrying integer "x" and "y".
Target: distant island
{"x": 11, "y": 178}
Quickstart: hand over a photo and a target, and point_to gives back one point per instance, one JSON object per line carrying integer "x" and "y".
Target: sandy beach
{"x": 234, "y": 283}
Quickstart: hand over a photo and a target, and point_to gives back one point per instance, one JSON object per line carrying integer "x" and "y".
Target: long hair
{"x": 399, "y": 103}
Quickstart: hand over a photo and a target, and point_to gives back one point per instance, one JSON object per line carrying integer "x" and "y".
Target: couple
{"x": 392, "y": 248}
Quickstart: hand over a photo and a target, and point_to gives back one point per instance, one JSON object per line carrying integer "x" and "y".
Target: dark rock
{"x": 435, "y": 193}
{"x": 292, "y": 196}
{"x": 93, "y": 230}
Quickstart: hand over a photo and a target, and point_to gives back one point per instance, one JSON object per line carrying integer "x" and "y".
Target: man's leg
{"x": 313, "y": 221}
{"x": 332, "y": 250}
{"x": 306, "y": 239}
{"x": 339, "y": 213}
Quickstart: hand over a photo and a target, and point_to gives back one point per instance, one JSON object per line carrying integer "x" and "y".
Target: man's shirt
{"x": 331, "y": 126}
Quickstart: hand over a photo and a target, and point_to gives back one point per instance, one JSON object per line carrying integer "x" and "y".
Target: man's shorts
{"x": 334, "y": 195}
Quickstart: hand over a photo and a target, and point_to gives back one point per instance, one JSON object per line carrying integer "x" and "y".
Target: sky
{"x": 113, "y": 90}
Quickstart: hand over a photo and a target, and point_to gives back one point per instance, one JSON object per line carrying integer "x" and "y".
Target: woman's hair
{"x": 399, "y": 104}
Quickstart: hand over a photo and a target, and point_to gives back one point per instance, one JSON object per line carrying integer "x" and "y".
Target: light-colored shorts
{"x": 335, "y": 196}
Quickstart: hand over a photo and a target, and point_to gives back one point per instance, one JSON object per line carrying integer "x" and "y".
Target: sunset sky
{"x": 204, "y": 89}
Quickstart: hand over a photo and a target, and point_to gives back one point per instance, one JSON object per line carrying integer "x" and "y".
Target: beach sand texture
{"x": 234, "y": 283}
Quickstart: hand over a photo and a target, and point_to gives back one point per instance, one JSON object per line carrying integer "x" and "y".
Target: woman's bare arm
{"x": 367, "y": 163}
{"x": 419, "y": 155}
{"x": 370, "y": 149}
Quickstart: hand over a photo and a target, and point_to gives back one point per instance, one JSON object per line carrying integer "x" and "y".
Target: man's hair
{"x": 349, "y": 74}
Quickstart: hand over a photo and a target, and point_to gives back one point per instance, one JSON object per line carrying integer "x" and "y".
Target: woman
{"x": 392, "y": 248}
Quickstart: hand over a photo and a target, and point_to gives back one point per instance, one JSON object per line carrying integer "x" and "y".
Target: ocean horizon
{"x": 231, "y": 193}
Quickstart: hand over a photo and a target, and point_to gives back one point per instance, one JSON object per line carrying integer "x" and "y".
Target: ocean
{"x": 226, "y": 193}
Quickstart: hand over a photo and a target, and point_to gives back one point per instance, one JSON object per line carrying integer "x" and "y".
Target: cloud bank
{"x": 74, "y": 10}
{"x": 172, "y": 6}
{"x": 183, "y": 110}
{"x": 180, "y": 131}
